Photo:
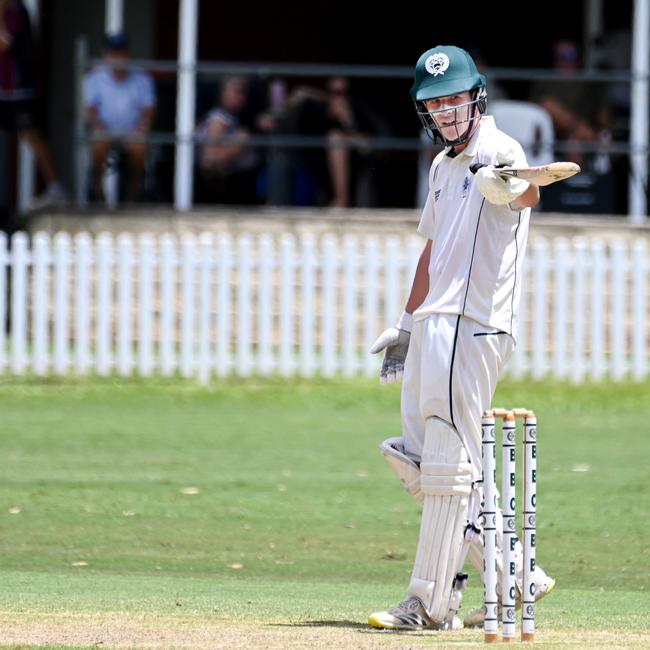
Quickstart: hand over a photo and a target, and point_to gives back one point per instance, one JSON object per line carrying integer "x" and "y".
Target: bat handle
{"x": 474, "y": 167}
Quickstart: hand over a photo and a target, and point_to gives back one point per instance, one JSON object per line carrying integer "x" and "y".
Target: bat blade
{"x": 543, "y": 174}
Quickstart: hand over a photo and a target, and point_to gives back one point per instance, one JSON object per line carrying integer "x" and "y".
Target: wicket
{"x": 508, "y": 481}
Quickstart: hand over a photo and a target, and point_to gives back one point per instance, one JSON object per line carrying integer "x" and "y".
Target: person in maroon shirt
{"x": 18, "y": 94}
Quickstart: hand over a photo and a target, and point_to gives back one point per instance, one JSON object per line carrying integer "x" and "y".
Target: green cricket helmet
{"x": 447, "y": 70}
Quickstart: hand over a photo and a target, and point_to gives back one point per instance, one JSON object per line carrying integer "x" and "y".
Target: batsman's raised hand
{"x": 395, "y": 342}
{"x": 498, "y": 190}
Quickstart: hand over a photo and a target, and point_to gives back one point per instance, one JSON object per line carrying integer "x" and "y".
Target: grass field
{"x": 260, "y": 514}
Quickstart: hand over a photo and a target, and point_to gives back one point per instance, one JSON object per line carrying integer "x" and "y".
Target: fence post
{"x": 188, "y": 262}
{"x": 4, "y": 265}
{"x": 307, "y": 320}
{"x": 560, "y": 305}
{"x": 265, "y": 317}
{"x": 19, "y": 262}
{"x": 578, "y": 344}
{"x": 540, "y": 256}
{"x": 518, "y": 364}
{"x": 125, "y": 264}
{"x": 61, "y": 314}
{"x": 83, "y": 263}
{"x": 392, "y": 257}
{"x": 639, "y": 310}
{"x": 244, "y": 305}
{"x": 329, "y": 256}
{"x": 370, "y": 299}
{"x": 40, "y": 292}
{"x": 619, "y": 273}
{"x": 205, "y": 361}
{"x": 145, "y": 305}
{"x": 350, "y": 302}
{"x": 168, "y": 264}
{"x": 598, "y": 264}
{"x": 287, "y": 264}
{"x": 104, "y": 246}
{"x": 224, "y": 265}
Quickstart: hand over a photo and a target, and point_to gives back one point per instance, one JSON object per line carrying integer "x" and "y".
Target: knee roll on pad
{"x": 406, "y": 469}
{"x": 446, "y": 482}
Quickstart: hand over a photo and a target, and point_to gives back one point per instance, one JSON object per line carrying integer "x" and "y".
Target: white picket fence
{"x": 287, "y": 305}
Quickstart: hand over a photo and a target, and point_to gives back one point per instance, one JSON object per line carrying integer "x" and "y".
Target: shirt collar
{"x": 486, "y": 124}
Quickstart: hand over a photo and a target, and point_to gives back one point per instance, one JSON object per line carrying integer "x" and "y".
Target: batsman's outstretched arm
{"x": 529, "y": 199}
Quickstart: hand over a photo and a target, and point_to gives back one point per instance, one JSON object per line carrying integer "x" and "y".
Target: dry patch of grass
{"x": 121, "y": 630}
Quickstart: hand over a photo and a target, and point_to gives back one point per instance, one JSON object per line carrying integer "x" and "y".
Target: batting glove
{"x": 395, "y": 342}
{"x": 498, "y": 190}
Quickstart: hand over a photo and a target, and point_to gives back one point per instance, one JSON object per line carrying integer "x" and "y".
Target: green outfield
{"x": 261, "y": 514}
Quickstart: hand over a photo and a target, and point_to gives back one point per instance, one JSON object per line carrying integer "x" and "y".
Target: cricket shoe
{"x": 476, "y": 617}
{"x": 410, "y": 615}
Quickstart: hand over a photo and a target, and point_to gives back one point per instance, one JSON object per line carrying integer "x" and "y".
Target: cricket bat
{"x": 541, "y": 175}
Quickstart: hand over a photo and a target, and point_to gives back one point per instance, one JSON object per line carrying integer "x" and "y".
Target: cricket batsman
{"x": 457, "y": 332}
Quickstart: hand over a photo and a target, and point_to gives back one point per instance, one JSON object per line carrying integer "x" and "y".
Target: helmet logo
{"x": 437, "y": 63}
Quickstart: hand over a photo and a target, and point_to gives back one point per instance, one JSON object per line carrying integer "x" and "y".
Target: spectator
{"x": 120, "y": 106}
{"x": 18, "y": 97}
{"x": 227, "y": 170}
{"x": 352, "y": 121}
{"x": 580, "y": 114}
{"x": 343, "y": 175}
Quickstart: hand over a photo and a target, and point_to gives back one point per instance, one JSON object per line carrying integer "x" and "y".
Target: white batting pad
{"x": 406, "y": 469}
{"x": 446, "y": 483}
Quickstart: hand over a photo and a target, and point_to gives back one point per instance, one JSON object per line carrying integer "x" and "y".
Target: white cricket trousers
{"x": 451, "y": 372}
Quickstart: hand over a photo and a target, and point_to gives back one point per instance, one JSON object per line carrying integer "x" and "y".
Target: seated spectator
{"x": 342, "y": 173}
{"x": 227, "y": 170}
{"x": 579, "y": 111}
{"x": 120, "y": 106}
{"x": 351, "y": 123}
{"x": 18, "y": 97}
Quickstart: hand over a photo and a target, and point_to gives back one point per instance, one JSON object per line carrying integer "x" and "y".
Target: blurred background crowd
{"x": 338, "y": 129}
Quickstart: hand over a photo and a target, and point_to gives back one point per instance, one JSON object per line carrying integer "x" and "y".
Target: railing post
{"x": 80, "y": 148}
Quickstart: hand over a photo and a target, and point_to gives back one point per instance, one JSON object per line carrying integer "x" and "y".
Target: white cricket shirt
{"x": 478, "y": 247}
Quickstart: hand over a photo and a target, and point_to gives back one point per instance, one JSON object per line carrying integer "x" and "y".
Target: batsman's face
{"x": 451, "y": 113}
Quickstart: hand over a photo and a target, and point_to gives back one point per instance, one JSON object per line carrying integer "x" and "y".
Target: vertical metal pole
{"x": 185, "y": 101}
{"x": 491, "y": 623}
{"x": 80, "y": 153}
{"x": 114, "y": 16}
{"x": 26, "y": 158}
{"x": 593, "y": 27}
{"x": 638, "y": 182}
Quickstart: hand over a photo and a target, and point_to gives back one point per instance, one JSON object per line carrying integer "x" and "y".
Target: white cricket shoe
{"x": 410, "y": 615}
{"x": 476, "y": 617}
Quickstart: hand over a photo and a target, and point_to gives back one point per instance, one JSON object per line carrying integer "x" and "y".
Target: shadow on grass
{"x": 353, "y": 625}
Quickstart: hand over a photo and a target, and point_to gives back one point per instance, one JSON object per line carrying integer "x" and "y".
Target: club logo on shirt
{"x": 466, "y": 184}
{"x": 436, "y": 196}
{"x": 437, "y": 63}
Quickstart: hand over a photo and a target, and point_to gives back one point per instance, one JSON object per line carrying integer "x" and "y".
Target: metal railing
{"x": 315, "y": 71}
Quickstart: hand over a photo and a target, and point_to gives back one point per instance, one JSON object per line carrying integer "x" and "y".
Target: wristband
{"x": 405, "y": 322}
